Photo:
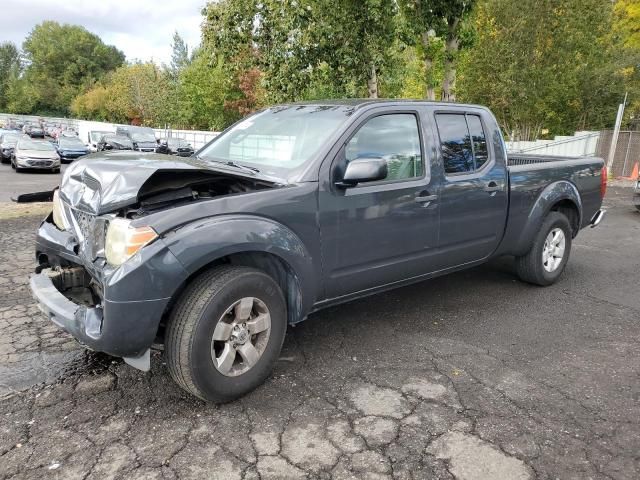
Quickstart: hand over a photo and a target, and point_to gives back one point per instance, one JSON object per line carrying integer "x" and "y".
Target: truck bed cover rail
{"x": 520, "y": 159}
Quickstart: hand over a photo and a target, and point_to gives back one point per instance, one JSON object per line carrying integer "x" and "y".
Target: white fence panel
{"x": 197, "y": 138}
{"x": 581, "y": 144}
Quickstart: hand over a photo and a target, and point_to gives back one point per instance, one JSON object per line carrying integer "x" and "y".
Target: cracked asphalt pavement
{"x": 471, "y": 376}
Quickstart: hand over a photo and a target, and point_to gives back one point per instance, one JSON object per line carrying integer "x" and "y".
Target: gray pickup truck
{"x": 294, "y": 209}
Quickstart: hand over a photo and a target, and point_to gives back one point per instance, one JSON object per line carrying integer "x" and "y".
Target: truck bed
{"x": 530, "y": 175}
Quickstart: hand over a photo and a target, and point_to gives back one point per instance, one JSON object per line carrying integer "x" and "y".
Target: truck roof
{"x": 361, "y": 102}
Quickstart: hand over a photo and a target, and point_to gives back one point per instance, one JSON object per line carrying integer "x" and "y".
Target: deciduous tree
{"x": 62, "y": 60}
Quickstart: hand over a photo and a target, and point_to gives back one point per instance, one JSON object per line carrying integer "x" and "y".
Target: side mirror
{"x": 363, "y": 170}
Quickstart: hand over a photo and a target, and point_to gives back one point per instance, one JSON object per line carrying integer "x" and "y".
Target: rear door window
{"x": 463, "y": 142}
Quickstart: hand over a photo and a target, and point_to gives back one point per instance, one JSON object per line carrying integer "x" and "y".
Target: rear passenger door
{"x": 474, "y": 190}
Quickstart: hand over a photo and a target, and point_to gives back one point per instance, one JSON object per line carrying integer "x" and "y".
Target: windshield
{"x": 120, "y": 140}
{"x": 96, "y": 136}
{"x": 177, "y": 142}
{"x": 71, "y": 142}
{"x": 279, "y": 139}
{"x": 35, "y": 145}
{"x": 143, "y": 137}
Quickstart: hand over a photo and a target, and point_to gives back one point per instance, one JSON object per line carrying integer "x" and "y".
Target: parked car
{"x": 175, "y": 146}
{"x": 35, "y": 154}
{"x": 112, "y": 141}
{"x": 71, "y": 148}
{"x": 93, "y": 138}
{"x": 68, "y": 132}
{"x": 297, "y": 208}
{"x": 143, "y": 138}
{"x": 49, "y": 128}
{"x": 8, "y": 141}
{"x": 36, "y": 132}
{"x": 636, "y": 194}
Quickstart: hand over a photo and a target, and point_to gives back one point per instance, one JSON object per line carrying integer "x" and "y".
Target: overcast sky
{"x": 142, "y": 29}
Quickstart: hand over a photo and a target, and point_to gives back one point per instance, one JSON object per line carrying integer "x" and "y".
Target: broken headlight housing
{"x": 123, "y": 240}
{"x": 58, "y": 215}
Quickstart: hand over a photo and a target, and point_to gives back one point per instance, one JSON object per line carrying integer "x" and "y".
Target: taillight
{"x": 603, "y": 182}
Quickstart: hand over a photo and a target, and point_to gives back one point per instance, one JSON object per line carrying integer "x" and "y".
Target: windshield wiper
{"x": 229, "y": 163}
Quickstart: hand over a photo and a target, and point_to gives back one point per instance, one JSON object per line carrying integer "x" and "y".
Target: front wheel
{"x": 549, "y": 253}
{"x": 225, "y": 333}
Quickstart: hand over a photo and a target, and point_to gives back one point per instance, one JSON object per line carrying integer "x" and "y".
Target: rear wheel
{"x": 225, "y": 333}
{"x": 549, "y": 253}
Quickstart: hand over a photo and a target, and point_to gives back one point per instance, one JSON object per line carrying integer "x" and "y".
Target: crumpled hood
{"x": 105, "y": 182}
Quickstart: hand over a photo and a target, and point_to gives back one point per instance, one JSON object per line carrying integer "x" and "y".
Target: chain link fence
{"x": 627, "y": 151}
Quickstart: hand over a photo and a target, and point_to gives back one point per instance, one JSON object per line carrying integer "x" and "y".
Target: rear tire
{"x": 211, "y": 307}
{"x": 542, "y": 265}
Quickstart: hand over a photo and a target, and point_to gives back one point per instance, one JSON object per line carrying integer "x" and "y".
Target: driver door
{"x": 384, "y": 231}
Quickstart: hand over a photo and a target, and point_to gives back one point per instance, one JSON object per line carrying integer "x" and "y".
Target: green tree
{"x": 136, "y": 93}
{"x": 435, "y": 28}
{"x": 204, "y": 92}
{"x": 179, "y": 56}
{"x": 9, "y": 70}
{"x": 62, "y": 61}
{"x": 626, "y": 28}
{"x": 295, "y": 43}
{"x": 556, "y": 67}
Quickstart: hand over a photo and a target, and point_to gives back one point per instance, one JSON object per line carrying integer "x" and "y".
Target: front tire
{"x": 549, "y": 253}
{"x": 225, "y": 333}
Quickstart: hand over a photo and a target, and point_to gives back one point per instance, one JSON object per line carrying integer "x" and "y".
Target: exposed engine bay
{"x": 166, "y": 188}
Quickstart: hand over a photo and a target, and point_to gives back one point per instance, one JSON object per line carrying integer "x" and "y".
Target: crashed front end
{"x": 113, "y": 305}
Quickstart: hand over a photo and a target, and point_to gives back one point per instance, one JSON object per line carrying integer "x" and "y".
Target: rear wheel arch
{"x": 561, "y": 196}
{"x": 570, "y": 210}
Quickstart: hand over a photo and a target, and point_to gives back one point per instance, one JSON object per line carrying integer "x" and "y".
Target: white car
{"x": 35, "y": 154}
{"x": 94, "y": 138}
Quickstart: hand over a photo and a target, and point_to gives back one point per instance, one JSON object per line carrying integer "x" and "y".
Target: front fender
{"x": 551, "y": 195}
{"x": 204, "y": 241}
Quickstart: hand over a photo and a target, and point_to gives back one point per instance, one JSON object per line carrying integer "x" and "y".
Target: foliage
{"x": 203, "y": 93}
{"x": 137, "y": 93}
{"x": 290, "y": 41}
{"x": 9, "y": 69}
{"x": 626, "y": 28}
{"x": 61, "y": 61}
{"x": 561, "y": 65}
{"x": 179, "y": 57}
{"x": 556, "y": 67}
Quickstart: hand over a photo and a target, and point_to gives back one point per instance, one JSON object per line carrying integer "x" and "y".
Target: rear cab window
{"x": 463, "y": 142}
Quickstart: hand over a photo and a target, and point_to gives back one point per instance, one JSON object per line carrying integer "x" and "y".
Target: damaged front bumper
{"x": 111, "y": 310}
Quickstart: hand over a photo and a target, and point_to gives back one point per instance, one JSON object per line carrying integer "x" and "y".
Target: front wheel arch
{"x": 273, "y": 265}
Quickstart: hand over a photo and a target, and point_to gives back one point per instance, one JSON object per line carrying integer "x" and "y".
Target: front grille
{"x": 40, "y": 163}
{"x": 89, "y": 231}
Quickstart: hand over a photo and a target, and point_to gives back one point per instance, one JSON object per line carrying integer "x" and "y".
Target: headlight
{"x": 123, "y": 240}
{"x": 58, "y": 217}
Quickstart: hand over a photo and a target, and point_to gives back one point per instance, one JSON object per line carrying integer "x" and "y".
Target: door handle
{"x": 420, "y": 198}
{"x": 492, "y": 187}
